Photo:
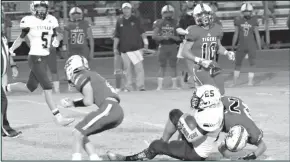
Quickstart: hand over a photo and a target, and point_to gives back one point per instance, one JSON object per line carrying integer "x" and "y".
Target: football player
{"x": 165, "y": 34}
{"x": 248, "y": 37}
{"x": 237, "y": 113}
{"x": 199, "y": 131}
{"x": 201, "y": 46}
{"x": 40, "y": 28}
{"x": 80, "y": 35}
{"x": 96, "y": 91}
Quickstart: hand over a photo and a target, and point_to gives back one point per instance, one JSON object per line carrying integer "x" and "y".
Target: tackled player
{"x": 96, "y": 90}
{"x": 40, "y": 28}
{"x": 241, "y": 129}
{"x": 202, "y": 45}
{"x": 199, "y": 131}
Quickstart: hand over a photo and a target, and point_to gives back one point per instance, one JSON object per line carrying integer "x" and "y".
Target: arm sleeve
{"x": 55, "y": 22}
{"x": 80, "y": 81}
{"x": 236, "y": 21}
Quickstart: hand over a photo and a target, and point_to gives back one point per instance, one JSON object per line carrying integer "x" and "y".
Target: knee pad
{"x": 174, "y": 116}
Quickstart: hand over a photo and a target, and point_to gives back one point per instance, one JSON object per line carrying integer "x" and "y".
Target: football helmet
{"x": 237, "y": 138}
{"x": 167, "y": 12}
{"x": 247, "y": 10}
{"x": 39, "y": 9}
{"x": 203, "y": 14}
{"x": 75, "y": 64}
{"x": 206, "y": 96}
{"x": 75, "y": 14}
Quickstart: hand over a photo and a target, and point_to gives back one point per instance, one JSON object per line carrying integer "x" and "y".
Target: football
{"x": 236, "y": 138}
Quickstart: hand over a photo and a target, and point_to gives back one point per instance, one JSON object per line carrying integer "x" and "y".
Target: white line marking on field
{"x": 85, "y": 112}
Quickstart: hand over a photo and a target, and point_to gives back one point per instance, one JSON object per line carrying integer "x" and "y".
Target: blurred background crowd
{"x": 103, "y": 14}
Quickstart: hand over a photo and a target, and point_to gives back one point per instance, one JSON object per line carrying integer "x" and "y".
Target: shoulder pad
{"x": 26, "y": 22}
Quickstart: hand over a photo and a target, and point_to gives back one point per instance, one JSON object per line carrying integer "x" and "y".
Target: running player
{"x": 246, "y": 30}
{"x": 199, "y": 131}
{"x": 40, "y": 28}
{"x": 96, "y": 91}
{"x": 237, "y": 113}
{"x": 201, "y": 46}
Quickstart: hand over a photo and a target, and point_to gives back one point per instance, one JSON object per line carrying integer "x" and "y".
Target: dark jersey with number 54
{"x": 205, "y": 41}
{"x": 77, "y": 34}
{"x": 237, "y": 113}
{"x": 101, "y": 87}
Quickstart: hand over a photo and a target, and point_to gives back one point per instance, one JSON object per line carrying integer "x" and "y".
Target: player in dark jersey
{"x": 248, "y": 37}
{"x": 80, "y": 35}
{"x": 237, "y": 113}
{"x": 167, "y": 38}
{"x": 96, "y": 91}
{"x": 201, "y": 46}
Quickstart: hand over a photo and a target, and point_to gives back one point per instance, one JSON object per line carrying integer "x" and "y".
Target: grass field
{"x": 146, "y": 113}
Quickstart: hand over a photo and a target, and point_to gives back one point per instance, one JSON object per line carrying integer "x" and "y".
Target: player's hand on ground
{"x": 250, "y": 156}
{"x": 66, "y": 103}
{"x": 14, "y": 72}
{"x": 231, "y": 55}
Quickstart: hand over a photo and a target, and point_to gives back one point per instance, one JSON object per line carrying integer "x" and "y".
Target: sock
{"x": 118, "y": 80}
{"x": 160, "y": 82}
{"x": 57, "y": 114}
{"x": 236, "y": 75}
{"x": 174, "y": 82}
{"x": 251, "y": 76}
{"x": 77, "y": 156}
{"x": 95, "y": 157}
{"x": 185, "y": 79}
{"x": 56, "y": 85}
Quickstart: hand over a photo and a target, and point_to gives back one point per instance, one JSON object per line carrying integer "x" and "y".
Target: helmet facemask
{"x": 41, "y": 10}
{"x": 204, "y": 19}
{"x": 247, "y": 14}
{"x": 168, "y": 14}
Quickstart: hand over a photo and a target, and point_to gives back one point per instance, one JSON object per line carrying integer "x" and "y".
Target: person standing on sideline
{"x": 185, "y": 21}
{"x": 128, "y": 41}
{"x": 6, "y": 59}
{"x": 164, "y": 32}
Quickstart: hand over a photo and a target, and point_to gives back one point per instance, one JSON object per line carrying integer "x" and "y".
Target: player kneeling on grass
{"x": 95, "y": 90}
{"x": 241, "y": 129}
{"x": 202, "y": 44}
{"x": 199, "y": 132}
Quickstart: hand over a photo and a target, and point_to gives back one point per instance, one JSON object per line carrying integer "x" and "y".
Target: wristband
{"x": 79, "y": 103}
{"x": 145, "y": 41}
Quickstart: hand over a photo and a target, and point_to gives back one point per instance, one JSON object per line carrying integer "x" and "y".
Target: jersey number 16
{"x": 208, "y": 50}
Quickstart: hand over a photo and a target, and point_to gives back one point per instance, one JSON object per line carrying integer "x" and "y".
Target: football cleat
{"x": 113, "y": 156}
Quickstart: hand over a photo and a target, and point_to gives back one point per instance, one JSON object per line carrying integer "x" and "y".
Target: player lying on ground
{"x": 96, "y": 91}
{"x": 40, "y": 28}
{"x": 202, "y": 45}
{"x": 241, "y": 129}
{"x": 246, "y": 30}
{"x": 199, "y": 131}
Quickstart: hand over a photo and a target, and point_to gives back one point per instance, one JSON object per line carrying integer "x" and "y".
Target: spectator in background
{"x": 214, "y": 7}
{"x": 288, "y": 21}
{"x": 164, "y": 32}
{"x": 128, "y": 41}
{"x": 186, "y": 20}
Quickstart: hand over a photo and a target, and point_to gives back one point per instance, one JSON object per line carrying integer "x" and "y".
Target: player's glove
{"x": 231, "y": 55}
{"x": 11, "y": 51}
{"x": 250, "y": 156}
{"x": 67, "y": 103}
{"x": 214, "y": 69}
{"x": 205, "y": 63}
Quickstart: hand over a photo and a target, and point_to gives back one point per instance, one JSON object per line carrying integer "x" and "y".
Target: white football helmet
{"x": 206, "y": 96}
{"x": 203, "y": 14}
{"x": 167, "y": 11}
{"x": 236, "y": 138}
{"x": 39, "y": 9}
{"x": 74, "y": 64}
{"x": 76, "y": 14}
{"x": 247, "y": 10}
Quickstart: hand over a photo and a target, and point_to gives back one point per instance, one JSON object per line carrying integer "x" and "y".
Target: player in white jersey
{"x": 40, "y": 28}
{"x": 199, "y": 131}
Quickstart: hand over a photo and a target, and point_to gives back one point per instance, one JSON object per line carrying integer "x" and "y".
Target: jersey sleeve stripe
{"x": 83, "y": 83}
{"x": 240, "y": 138}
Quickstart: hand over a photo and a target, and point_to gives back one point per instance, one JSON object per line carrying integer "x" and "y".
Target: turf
{"x": 146, "y": 113}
